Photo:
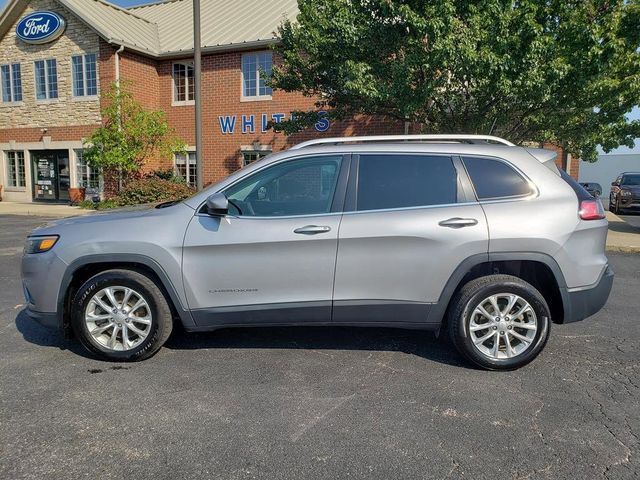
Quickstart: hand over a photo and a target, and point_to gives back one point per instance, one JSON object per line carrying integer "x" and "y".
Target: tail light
{"x": 591, "y": 210}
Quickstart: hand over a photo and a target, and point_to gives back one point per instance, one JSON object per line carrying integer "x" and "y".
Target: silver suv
{"x": 466, "y": 234}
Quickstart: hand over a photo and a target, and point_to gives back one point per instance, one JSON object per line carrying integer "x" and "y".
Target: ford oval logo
{"x": 40, "y": 27}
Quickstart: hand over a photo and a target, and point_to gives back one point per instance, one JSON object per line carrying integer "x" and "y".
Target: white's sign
{"x": 251, "y": 123}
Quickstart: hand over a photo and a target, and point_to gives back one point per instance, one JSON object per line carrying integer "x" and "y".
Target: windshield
{"x": 631, "y": 179}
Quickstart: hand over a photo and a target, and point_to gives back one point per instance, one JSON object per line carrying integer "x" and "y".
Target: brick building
{"x": 58, "y": 56}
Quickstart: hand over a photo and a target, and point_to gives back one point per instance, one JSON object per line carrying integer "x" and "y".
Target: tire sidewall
{"x": 81, "y": 302}
{"x": 540, "y": 308}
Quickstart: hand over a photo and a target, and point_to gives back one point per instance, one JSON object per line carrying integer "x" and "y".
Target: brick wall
{"x": 221, "y": 79}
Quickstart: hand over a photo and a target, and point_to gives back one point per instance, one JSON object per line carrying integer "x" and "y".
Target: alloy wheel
{"x": 503, "y": 326}
{"x": 118, "y": 318}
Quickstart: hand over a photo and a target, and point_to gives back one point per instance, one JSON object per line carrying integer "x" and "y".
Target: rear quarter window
{"x": 495, "y": 179}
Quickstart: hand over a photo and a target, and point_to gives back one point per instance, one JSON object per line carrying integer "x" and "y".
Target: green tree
{"x": 563, "y": 71}
{"x": 129, "y": 137}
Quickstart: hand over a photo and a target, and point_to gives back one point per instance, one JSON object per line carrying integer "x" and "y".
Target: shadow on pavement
{"x": 415, "y": 342}
{"x": 623, "y": 227}
{"x": 36, "y": 334}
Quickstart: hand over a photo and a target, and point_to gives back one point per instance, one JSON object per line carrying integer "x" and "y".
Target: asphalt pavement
{"x": 632, "y": 219}
{"x": 313, "y": 403}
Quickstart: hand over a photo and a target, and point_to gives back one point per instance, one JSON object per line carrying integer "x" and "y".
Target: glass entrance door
{"x": 51, "y": 175}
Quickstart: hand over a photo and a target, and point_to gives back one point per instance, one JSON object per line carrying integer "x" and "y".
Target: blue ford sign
{"x": 40, "y": 27}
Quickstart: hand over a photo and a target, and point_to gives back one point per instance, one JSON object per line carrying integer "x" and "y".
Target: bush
{"x": 107, "y": 204}
{"x": 104, "y": 205}
{"x": 87, "y": 204}
{"x": 167, "y": 174}
{"x": 153, "y": 189}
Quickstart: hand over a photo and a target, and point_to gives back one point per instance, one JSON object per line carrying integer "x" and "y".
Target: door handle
{"x": 458, "y": 222}
{"x": 312, "y": 230}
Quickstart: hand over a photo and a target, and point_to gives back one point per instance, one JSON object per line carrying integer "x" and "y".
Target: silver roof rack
{"x": 406, "y": 138}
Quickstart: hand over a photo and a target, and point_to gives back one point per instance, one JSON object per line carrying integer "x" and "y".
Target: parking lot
{"x": 310, "y": 403}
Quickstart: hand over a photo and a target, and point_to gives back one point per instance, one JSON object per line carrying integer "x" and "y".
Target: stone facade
{"x": 78, "y": 39}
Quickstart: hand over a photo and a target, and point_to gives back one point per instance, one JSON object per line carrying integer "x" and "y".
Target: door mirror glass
{"x": 217, "y": 204}
{"x": 614, "y": 184}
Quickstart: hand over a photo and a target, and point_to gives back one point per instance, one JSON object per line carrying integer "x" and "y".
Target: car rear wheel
{"x": 121, "y": 315}
{"x": 499, "y": 322}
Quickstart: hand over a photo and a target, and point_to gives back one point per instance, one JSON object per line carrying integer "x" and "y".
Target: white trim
{"x": 85, "y": 97}
{"x": 47, "y": 92}
{"x": 7, "y": 176}
{"x": 257, "y": 97}
{"x": 186, "y": 102}
{"x": 12, "y": 88}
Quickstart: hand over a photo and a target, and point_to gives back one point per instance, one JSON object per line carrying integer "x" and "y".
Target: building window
{"x": 183, "y": 83}
{"x": 87, "y": 176}
{"x": 186, "y": 167}
{"x": 11, "y": 79}
{"x": 250, "y": 156}
{"x": 15, "y": 170}
{"x": 256, "y": 69}
{"x": 46, "y": 79}
{"x": 85, "y": 75}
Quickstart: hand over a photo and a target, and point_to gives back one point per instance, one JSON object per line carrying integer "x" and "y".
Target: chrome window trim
{"x": 419, "y": 207}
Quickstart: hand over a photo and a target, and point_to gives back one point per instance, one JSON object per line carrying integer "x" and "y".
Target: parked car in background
{"x": 467, "y": 235}
{"x": 625, "y": 192}
{"x": 593, "y": 188}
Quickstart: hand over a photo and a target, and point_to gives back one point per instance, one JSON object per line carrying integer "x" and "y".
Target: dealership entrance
{"x": 50, "y": 173}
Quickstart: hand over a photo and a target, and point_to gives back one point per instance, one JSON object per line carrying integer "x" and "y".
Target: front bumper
{"x": 49, "y": 320}
{"x": 581, "y": 304}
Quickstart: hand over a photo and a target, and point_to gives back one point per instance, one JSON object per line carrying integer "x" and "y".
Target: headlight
{"x": 626, "y": 193}
{"x": 40, "y": 244}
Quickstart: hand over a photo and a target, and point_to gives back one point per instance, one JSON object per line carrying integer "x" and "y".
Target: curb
{"x": 622, "y": 249}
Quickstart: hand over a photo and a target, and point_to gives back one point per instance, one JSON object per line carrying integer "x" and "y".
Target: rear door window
{"x": 495, "y": 179}
{"x": 402, "y": 181}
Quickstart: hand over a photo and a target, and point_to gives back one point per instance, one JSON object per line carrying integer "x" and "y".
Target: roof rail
{"x": 406, "y": 138}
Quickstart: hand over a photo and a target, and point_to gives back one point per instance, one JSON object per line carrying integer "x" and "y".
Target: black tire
{"x": 161, "y": 323}
{"x": 612, "y": 207}
{"x": 471, "y": 295}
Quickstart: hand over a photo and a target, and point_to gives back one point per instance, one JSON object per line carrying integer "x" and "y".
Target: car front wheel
{"x": 499, "y": 322}
{"x": 121, "y": 315}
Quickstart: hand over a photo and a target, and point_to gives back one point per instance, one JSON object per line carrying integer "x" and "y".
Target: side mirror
{"x": 614, "y": 184}
{"x": 217, "y": 204}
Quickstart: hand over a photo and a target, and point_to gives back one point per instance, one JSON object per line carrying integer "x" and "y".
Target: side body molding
{"x": 183, "y": 313}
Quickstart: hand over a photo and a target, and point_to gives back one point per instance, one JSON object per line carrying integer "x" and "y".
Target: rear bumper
{"x": 581, "y": 304}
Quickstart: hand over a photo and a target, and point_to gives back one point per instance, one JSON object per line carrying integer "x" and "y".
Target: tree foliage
{"x": 129, "y": 136}
{"x": 528, "y": 70}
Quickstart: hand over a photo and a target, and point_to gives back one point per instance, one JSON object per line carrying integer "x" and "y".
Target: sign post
{"x": 197, "y": 73}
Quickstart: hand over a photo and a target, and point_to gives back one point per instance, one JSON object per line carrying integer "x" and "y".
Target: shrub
{"x": 166, "y": 174}
{"x": 153, "y": 189}
{"x": 104, "y": 205}
{"x": 107, "y": 205}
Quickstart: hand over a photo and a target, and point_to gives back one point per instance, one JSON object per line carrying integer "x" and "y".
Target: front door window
{"x": 297, "y": 187}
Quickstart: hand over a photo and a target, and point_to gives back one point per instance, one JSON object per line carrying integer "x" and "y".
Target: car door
{"x": 271, "y": 260}
{"x": 410, "y": 220}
